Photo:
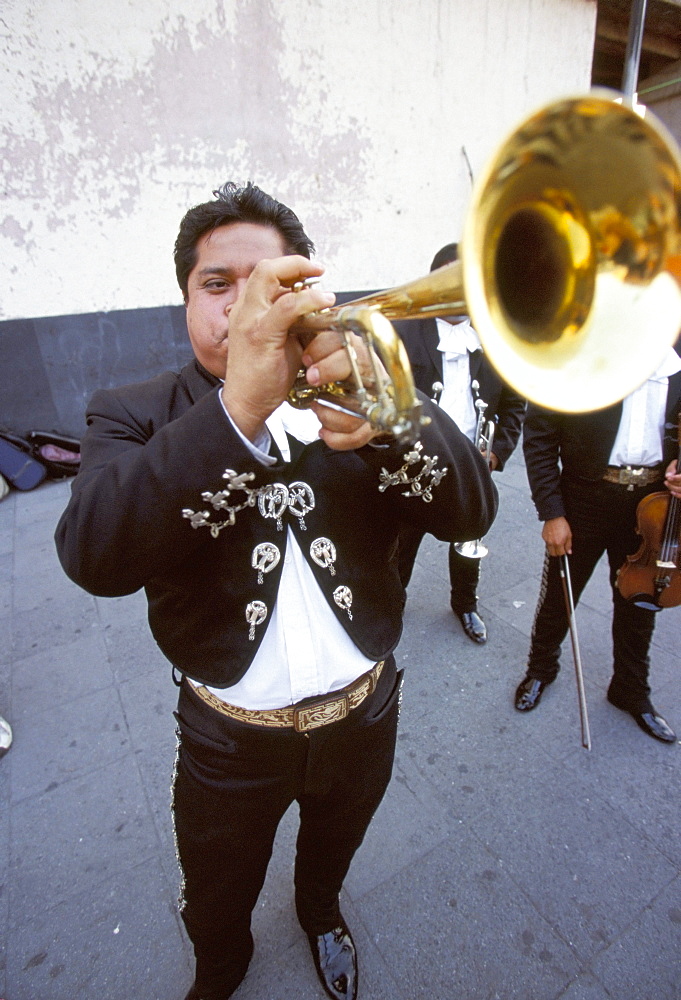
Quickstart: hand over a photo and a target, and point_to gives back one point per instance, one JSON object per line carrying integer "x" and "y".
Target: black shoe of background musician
{"x": 654, "y": 725}
{"x": 650, "y": 722}
{"x": 528, "y": 693}
{"x": 473, "y": 626}
{"x": 335, "y": 960}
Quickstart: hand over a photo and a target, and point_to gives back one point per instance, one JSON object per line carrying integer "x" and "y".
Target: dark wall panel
{"x": 24, "y": 384}
{"x": 50, "y": 366}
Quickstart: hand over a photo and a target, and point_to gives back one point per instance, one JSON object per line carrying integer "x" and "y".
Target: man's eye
{"x": 216, "y": 285}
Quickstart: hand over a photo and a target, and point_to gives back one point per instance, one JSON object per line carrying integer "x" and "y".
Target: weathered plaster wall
{"x": 118, "y": 116}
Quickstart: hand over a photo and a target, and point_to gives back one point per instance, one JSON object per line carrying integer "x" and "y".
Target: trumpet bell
{"x": 570, "y": 254}
{"x": 570, "y": 263}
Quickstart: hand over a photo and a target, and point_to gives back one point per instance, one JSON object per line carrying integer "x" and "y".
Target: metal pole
{"x": 570, "y": 609}
{"x": 632, "y": 56}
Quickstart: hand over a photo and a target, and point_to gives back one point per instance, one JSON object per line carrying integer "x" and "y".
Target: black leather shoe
{"x": 655, "y": 725}
{"x": 528, "y": 693}
{"x": 650, "y": 722}
{"x": 335, "y": 960}
{"x": 473, "y": 626}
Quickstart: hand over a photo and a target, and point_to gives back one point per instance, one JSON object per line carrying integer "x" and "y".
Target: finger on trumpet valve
{"x": 302, "y": 284}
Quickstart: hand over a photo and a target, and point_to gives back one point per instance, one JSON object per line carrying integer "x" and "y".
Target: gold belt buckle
{"x": 320, "y": 713}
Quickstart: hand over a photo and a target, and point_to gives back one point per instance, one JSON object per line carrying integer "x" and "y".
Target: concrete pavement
{"x": 506, "y": 862}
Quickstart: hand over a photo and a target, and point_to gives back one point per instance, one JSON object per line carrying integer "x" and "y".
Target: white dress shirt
{"x": 458, "y": 340}
{"x": 305, "y": 650}
{"x": 641, "y": 429}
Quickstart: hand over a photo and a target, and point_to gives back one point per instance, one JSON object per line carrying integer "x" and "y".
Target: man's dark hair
{"x": 236, "y": 204}
{"x": 446, "y": 255}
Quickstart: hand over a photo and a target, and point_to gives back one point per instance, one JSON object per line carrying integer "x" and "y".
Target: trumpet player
{"x": 449, "y": 365}
{"x": 263, "y": 536}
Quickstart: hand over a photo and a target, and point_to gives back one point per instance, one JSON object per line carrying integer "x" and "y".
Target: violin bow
{"x": 564, "y": 567}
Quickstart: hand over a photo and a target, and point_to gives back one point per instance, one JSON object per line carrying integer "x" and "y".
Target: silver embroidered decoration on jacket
{"x": 343, "y": 598}
{"x": 199, "y": 519}
{"x": 323, "y": 552}
{"x": 224, "y": 501}
{"x": 273, "y": 501}
{"x": 421, "y": 483}
{"x": 256, "y": 613}
{"x": 264, "y": 558}
{"x": 300, "y": 501}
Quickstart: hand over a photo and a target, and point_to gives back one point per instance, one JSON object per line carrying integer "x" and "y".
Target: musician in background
{"x": 448, "y": 363}
{"x": 588, "y": 472}
{"x": 263, "y": 536}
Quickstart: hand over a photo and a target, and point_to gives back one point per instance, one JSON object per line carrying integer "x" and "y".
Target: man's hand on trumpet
{"x": 327, "y": 360}
{"x": 262, "y": 358}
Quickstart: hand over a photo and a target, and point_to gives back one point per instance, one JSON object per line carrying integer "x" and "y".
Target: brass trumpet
{"x": 484, "y": 439}
{"x": 570, "y": 269}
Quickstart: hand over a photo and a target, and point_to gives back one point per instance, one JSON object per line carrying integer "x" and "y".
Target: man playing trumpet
{"x": 264, "y": 537}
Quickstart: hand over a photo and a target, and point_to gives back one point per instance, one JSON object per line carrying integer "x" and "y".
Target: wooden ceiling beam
{"x": 611, "y": 31}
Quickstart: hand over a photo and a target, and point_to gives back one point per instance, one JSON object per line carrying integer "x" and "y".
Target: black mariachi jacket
{"x": 578, "y": 445}
{"x": 504, "y": 405}
{"x": 169, "y": 498}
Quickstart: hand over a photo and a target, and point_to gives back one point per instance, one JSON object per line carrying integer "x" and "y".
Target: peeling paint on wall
{"x": 121, "y": 116}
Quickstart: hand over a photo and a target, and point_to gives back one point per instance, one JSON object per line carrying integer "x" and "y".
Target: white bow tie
{"x": 457, "y": 339}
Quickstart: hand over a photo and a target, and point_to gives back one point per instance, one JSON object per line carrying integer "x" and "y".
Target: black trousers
{"x": 464, "y": 573}
{"x": 602, "y": 517}
{"x": 233, "y": 784}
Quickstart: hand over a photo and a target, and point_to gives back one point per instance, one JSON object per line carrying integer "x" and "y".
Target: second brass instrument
{"x": 484, "y": 439}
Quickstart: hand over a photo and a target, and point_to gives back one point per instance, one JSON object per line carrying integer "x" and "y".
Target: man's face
{"x": 225, "y": 259}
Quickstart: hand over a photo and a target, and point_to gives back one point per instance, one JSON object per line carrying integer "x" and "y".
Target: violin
{"x": 651, "y": 578}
